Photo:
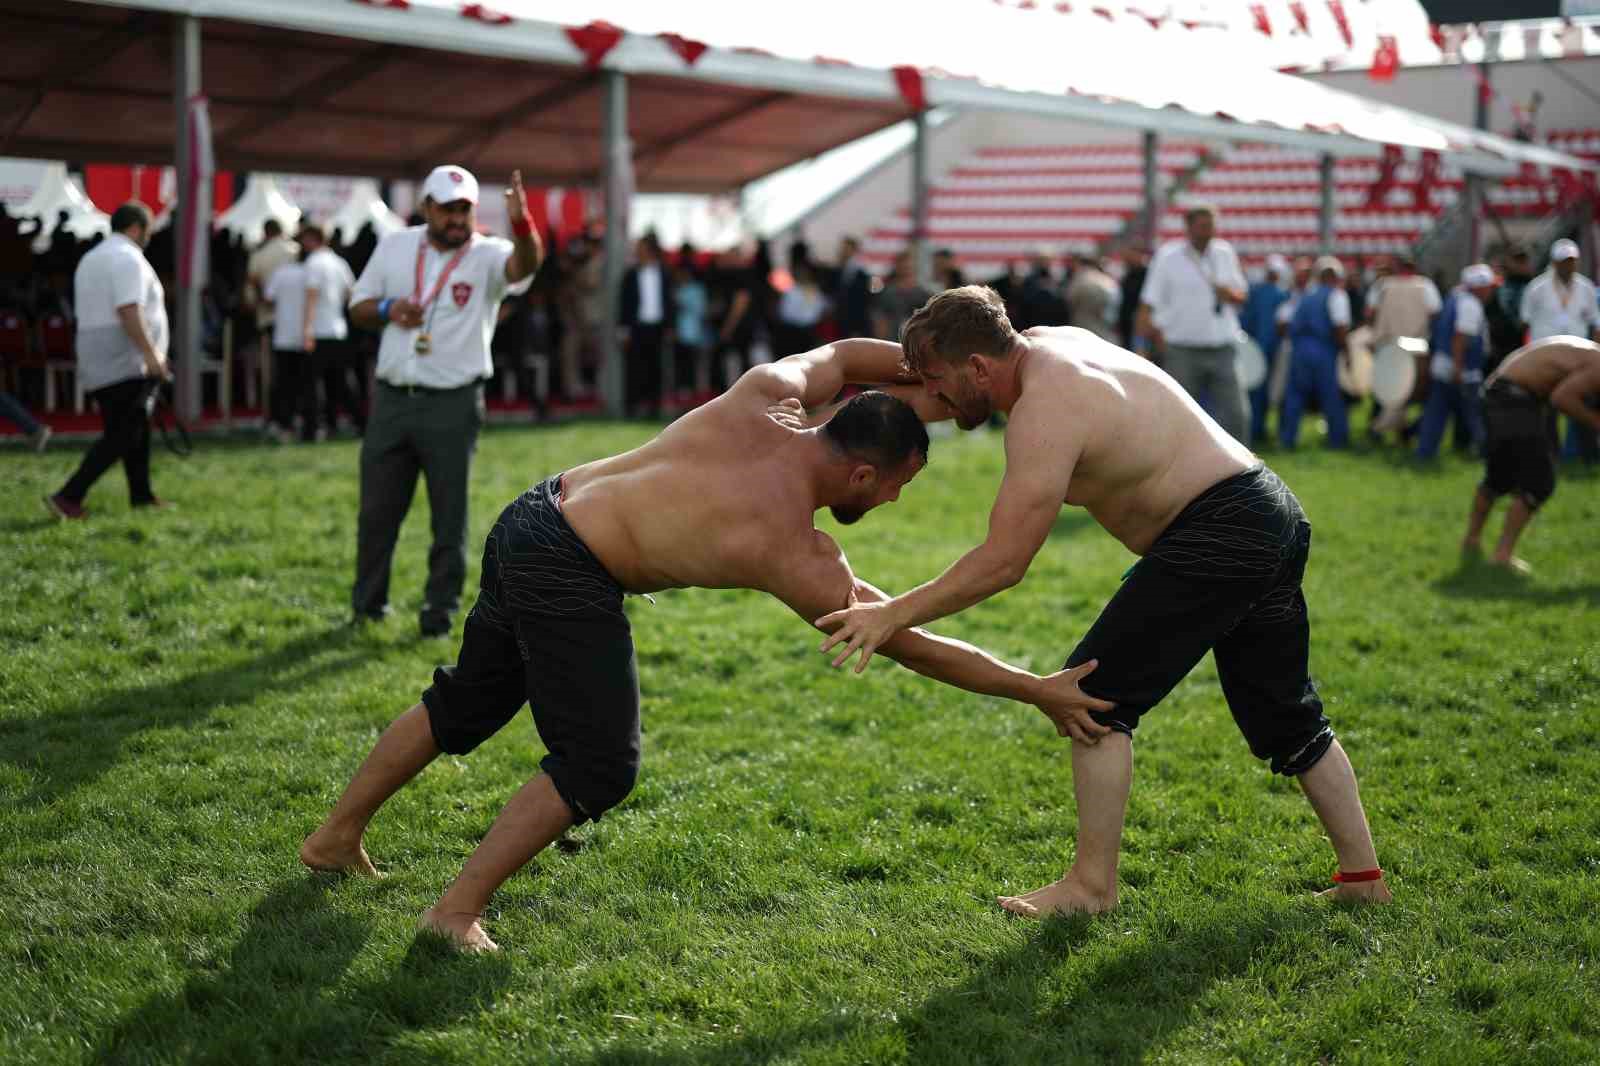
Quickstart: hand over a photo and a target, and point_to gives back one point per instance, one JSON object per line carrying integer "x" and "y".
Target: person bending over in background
{"x": 1520, "y": 401}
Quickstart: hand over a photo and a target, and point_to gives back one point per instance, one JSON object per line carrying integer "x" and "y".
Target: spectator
{"x": 1357, "y": 282}
{"x": 1562, "y": 301}
{"x": 901, "y": 295}
{"x": 1402, "y": 305}
{"x": 274, "y": 251}
{"x": 12, "y": 411}
{"x": 1459, "y": 338}
{"x": 294, "y": 381}
{"x": 328, "y": 284}
{"x": 1512, "y": 327}
{"x": 1008, "y": 287}
{"x": 689, "y": 300}
{"x": 432, "y": 363}
{"x": 799, "y": 311}
{"x": 946, "y": 274}
{"x": 1317, "y": 331}
{"x": 852, "y": 292}
{"x": 646, "y": 302}
{"x": 122, "y": 354}
{"x": 746, "y": 332}
{"x": 1093, "y": 299}
{"x": 1187, "y": 311}
{"x": 1136, "y": 267}
{"x": 1260, "y": 320}
{"x": 1041, "y": 302}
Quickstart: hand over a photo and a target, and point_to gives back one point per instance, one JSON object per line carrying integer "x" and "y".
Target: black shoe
{"x": 434, "y": 624}
{"x": 361, "y": 618}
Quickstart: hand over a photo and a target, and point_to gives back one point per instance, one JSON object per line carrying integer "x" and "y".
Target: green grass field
{"x": 806, "y": 871}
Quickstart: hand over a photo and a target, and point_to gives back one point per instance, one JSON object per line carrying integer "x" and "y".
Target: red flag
{"x": 1386, "y": 60}
{"x": 594, "y": 41}
{"x": 1337, "y": 7}
{"x": 909, "y": 81}
{"x": 688, "y": 51}
{"x": 1379, "y": 192}
{"x": 1259, "y": 13}
{"x": 1436, "y": 32}
{"x": 1298, "y": 10}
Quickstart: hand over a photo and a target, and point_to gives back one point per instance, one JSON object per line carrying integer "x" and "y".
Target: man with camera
{"x": 122, "y": 354}
{"x": 1187, "y": 311}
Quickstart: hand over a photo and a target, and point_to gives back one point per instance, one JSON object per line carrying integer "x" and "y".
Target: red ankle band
{"x": 1374, "y": 874}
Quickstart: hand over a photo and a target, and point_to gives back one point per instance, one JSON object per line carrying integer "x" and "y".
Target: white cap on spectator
{"x": 1563, "y": 249}
{"x": 1477, "y": 276}
{"x": 1277, "y": 264}
{"x": 449, "y": 183}
{"x": 1329, "y": 262}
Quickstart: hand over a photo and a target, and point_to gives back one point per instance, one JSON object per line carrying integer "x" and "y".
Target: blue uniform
{"x": 1259, "y": 317}
{"x": 1313, "y": 370}
{"x": 1446, "y": 399}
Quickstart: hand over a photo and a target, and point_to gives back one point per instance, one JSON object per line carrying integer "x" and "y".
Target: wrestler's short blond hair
{"x": 955, "y": 324}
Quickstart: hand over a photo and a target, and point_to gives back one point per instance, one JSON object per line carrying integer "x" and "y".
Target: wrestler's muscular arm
{"x": 817, "y": 579}
{"x": 1568, "y": 397}
{"x": 1042, "y": 448}
{"x": 815, "y": 377}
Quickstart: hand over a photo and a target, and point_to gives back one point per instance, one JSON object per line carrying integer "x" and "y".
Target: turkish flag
{"x": 1386, "y": 60}
{"x": 1298, "y": 10}
{"x": 1259, "y": 13}
{"x": 1337, "y": 8}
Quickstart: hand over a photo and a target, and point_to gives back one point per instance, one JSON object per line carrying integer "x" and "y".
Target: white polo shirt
{"x": 286, "y": 289}
{"x": 113, "y": 274}
{"x": 333, "y": 279}
{"x": 459, "y": 323}
{"x": 1179, "y": 290}
{"x": 1552, "y": 309}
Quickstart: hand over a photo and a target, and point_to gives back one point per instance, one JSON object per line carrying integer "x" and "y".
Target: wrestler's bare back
{"x": 1147, "y": 447}
{"x": 710, "y": 502}
{"x": 1541, "y": 366}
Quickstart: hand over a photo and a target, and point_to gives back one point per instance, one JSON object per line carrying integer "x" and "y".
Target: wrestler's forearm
{"x": 527, "y": 252}
{"x": 957, "y": 663}
{"x": 972, "y": 579}
{"x": 864, "y": 361}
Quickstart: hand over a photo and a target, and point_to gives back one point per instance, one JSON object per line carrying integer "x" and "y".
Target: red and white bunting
{"x": 594, "y": 40}
{"x": 484, "y": 13}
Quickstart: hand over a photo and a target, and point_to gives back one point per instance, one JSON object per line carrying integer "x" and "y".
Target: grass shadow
{"x": 275, "y": 997}
{"x": 1070, "y": 522}
{"x": 1475, "y": 579}
{"x": 73, "y": 747}
{"x": 1019, "y": 1007}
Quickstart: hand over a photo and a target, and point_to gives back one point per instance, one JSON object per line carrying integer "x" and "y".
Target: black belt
{"x": 413, "y": 390}
{"x": 1512, "y": 390}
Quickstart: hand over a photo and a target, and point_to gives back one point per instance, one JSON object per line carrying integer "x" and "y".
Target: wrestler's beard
{"x": 846, "y": 516}
{"x": 972, "y": 408}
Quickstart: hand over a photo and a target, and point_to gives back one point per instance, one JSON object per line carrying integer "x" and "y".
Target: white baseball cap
{"x": 1477, "y": 276}
{"x": 1563, "y": 249}
{"x": 449, "y": 183}
{"x": 1329, "y": 262}
{"x": 1277, "y": 264}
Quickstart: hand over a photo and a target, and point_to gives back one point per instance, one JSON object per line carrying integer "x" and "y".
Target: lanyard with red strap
{"x": 444, "y": 275}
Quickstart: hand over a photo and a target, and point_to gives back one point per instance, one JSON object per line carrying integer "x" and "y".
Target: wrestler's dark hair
{"x": 876, "y": 428}
{"x": 955, "y": 324}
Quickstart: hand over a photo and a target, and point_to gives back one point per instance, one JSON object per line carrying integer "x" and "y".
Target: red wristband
{"x": 1374, "y": 874}
{"x": 522, "y": 227}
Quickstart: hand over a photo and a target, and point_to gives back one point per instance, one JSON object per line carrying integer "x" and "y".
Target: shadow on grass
{"x": 1013, "y": 1008}
{"x": 1478, "y": 580}
{"x": 1071, "y": 522}
{"x": 274, "y": 998}
{"x": 72, "y": 747}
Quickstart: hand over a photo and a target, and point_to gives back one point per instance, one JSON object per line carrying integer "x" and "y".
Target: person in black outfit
{"x": 646, "y": 315}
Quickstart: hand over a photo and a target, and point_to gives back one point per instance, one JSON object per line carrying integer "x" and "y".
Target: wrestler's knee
{"x": 1296, "y": 756}
{"x": 593, "y": 784}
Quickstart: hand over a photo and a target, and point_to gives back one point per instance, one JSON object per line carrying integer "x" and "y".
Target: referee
{"x": 434, "y": 290}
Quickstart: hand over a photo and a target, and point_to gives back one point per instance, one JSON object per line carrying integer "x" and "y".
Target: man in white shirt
{"x": 1460, "y": 342}
{"x": 284, "y": 293}
{"x": 328, "y": 284}
{"x": 1187, "y": 310}
{"x": 122, "y": 353}
{"x": 435, "y": 291}
{"x": 274, "y": 251}
{"x": 1561, "y": 302}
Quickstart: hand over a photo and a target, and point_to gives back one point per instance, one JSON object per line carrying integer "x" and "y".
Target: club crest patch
{"x": 461, "y": 291}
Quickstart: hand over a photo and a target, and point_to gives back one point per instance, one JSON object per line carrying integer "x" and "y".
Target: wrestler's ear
{"x": 864, "y": 476}
{"x": 980, "y": 368}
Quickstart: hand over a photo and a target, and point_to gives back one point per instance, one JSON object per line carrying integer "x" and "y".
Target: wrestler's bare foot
{"x": 1063, "y": 897}
{"x": 1513, "y": 564}
{"x": 326, "y": 853}
{"x": 463, "y": 931}
{"x": 1358, "y": 892}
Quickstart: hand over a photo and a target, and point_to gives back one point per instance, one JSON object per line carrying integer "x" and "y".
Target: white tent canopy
{"x": 261, "y": 201}
{"x": 58, "y": 202}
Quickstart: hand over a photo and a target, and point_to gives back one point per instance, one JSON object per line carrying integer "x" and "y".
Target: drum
{"x": 1355, "y": 364}
{"x": 1251, "y": 364}
{"x": 1398, "y": 366}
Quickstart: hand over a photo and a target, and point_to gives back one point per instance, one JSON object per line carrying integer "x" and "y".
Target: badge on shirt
{"x": 461, "y": 291}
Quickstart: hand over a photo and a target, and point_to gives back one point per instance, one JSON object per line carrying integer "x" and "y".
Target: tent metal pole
{"x": 919, "y": 197}
{"x": 187, "y": 337}
{"x": 1325, "y": 212}
{"x": 613, "y": 376}
{"x": 1152, "y": 174}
